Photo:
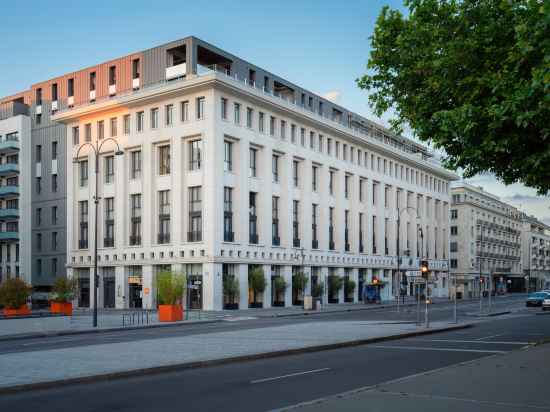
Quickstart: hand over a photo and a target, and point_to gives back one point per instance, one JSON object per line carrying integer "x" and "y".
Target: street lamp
{"x": 399, "y": 211}
{"x": 96, "y": 148}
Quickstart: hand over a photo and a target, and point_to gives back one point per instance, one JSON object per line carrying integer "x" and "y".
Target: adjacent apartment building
{"x": 485, "y": 242}
{"x": 211, "y": 166}
{"x": 536, "y": 253}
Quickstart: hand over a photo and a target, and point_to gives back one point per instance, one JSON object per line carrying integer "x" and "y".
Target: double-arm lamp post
{"x": 399, "y": 211}
{"x": 96, "y": 149}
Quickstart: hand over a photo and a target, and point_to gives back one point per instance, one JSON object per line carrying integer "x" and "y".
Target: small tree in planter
{"x": 231, "y": 292}
{"x": 334, "y": 285}
{"x": 299, "y": 283}
{"x": 317, "y": 290}
{"x": 349, "y": 288}
{"x": 279, "y": 288}
{"x": 256, "y": 283}
{"x": 13, "y": 297}
{"x": 63, "y": 292}
{"x": 170, "y": 288}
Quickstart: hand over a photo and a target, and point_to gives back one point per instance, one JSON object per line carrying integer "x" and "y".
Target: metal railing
{"x": 141, "y": 317}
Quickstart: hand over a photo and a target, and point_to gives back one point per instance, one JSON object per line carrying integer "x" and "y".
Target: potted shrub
{"x": 256, "y": 283}
{"x": 349, "y": 288}
{"x": 279, "y": 288}
{"x": 63, "y": 292}
{"x": 14, "y": 294}
{"x": 317, "y": 290}
{"x": 170, "y": 288}
{"x": 231, "y": 292}
{"x": 299, "y": 283}
{"x": 334, "y": 286}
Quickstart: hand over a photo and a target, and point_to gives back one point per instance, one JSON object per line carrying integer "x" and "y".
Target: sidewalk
{"x": 105, "y": 361}
{"x": 513, "y": 382}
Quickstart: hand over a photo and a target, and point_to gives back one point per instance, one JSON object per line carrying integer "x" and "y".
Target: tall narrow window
{"x": 253, "y": 154}
{"x": 135, "y": 222}
{"x": 361, "y": 243}
{"x": 54, "y": 182}
{"x": 331, "y": 244}
{"x": 237, "y": 113}
{"x": 275, "y": 168}
{"x": 228, "y": 235}
{"x": 293, "y": 133}
{"x": 195, "y": 215}
{"x": 223, "y": 108}
{"x": 113, "y": 124}
{"x": 92, "y": 81}
{"x": 100, "y": 129}
{"x": 295, "y": 172}
{"x": 228, "y": 156}
{"x": 374, "y": 230}
{"x": 112, "y": 75}
{"x": 76, "y": 136}
{"x": 164, "y": 160}
{"x": 184, "y": 111}
{"x": 275, "y": 237}
{"x": 249, "y": 117}
{"x": 169, "y": 114}
{"x": 135, "y": 69}
{"x": 314, "y": 240}
{"x": 195, "y": 154}
{"x": 154, "y": 118}
{"x": 261, "y": 122}
{"x": 109, "y": 235}
{"x": 126, "y": 124}
{"x": 271, "y": 125}
{"x": 109, "y": 169}
{"x": 83, "y": 220}
{"x": 88, "y": 132}
{"x": 295, "y": 223}
{"x": 54, "y": 92}
{"x": 314, "y": 170}
{"x": 252, "y": 219}
{"x": 83, "y": 168}
{"x": 346, "y": 231}
{"x": 283, "y": 130}
{"x": 38, "y": 153}
{"x": 200, "y": 107}
{"x": 135, "y": 164}
{"x": 140, "y": 119}
{"x": 70, "y": 87}
{"x": 164, "y": 217}
{"x": 346, "y": 186}
{"x": 331, "y": 182}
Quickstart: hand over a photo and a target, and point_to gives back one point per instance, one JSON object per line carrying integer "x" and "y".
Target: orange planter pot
{"x": 170, "y": 313}
{"x": 23, "y": 310}
{"x": 65, "y": 308}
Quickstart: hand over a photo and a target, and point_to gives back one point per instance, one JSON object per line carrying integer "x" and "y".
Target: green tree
{"x": 299, "y": 282}
{"x": 14, "y": 293}
{"x": 231, "y": 288}
{"x": 256, "y": 281}
{"x": 279, "y": 287}
{"x": 471, "y": 76}
{"x": 170, "y": 288}
{"x": 63, "y": 289}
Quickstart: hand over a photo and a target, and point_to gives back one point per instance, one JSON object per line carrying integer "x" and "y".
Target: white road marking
{"x": 495, "y": 342}
{"x": 289, "y": 375}
{"x": 437, "y": 349}
{"x": 489, "y": 337}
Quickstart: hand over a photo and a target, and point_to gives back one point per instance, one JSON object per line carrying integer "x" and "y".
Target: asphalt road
{"x": 467, "y": 310}
{"x": 275, "y": 383}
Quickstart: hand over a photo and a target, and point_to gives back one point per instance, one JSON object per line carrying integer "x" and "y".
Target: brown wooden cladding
{"x": 123, "y": 71}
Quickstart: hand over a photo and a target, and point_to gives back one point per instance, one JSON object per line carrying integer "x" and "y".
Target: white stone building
{"x": 536, "y": 252}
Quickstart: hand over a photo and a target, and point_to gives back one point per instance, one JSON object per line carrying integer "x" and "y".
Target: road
{"x": 275, "y": 383}
{"x": 439, "y": 311}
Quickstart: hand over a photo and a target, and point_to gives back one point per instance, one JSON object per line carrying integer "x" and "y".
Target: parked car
{"x": 546, "y": 303}
{"x": 536, "y": 299}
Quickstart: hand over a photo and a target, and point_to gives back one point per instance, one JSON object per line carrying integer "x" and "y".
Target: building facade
{"x": 485, "y": 242}
{"x": 536, "y": 253}
{"x": 228, "y": 168}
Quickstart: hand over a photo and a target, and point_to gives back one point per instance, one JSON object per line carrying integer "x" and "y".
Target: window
{"x": 135, "y": 69}
{"x": 314, "y": 178}
{"x": 164, "y": 160}
{"x": 70, "y": 87}
{"x": 164, "y": 217}
{"x": 126, "y": 124}
{"x": 169, "y": 114}
{"x": 361, "y": 244}
{"x": 184, "y": 111}
{"x": 54, "y": 150}
{"x": 275, "y": 168}
{"x": 54, "y": 240}
{"x": 454, "y": 230}
{"x": 109, "y": 235}
{"x": 295, "y": 172}
{"x": 76, "y": 136}
{"x": 454, "y": 263}
{"x": 228, "y": 235}
{"x": 54, "y": 183}
{"x": 112, "y": 75}
{"x": 295, "y": 224}
{"x": 293, "y": 133}
{"x": 253, "y": 153}
{"x": 38, "y": 216}
{"x": 331, "y": 182}
{"x": 228, "y": 156}
{"x": 135, "y": 164}
{"x": 54, "y": 267}
{"x": 249, "y": 117}
{"x": 195, "y": 154}
{"x": 454, "y": 214}
{"x": 140, "y": 116}
{"x": 271, "y": 125}
{"x": 374, "y": 230}
{"x": 83, "y": 219}
{"x": 135, "y": 222}
{"x": 83, "y": 172}
{"x": 200, "y": 108}
{"x": 374, "y": 195}
{"x": 361, "y": 189}
{"x": 54, "y": 215}
{"x": 311, "y": 140}
{"x": 195, "y": 214}
{"x": 252, "y": 219}
{"x": 261, "y": 122}
{"x": 302, "y": 136}
{"x": 331, "y": 245}
{"x": 88, "y": 132}
{"x": 154, "y": 118}
{"x": 109, "y": 169}
{"x": 283, "y": 130}
{"x": 275, "y": 238}
{"x": 314, "y": 240}
{"x": 92, "y": 81}
{"x": 386, "y": 196}
{"x": 346, "y": 231}
{"x": 113, "y": 123}
{"x": 237, "y": 113}
{"x": 38, "y": 153}
{"x": 454, "y": 246}
{"x": 346, "y": 186}
{"x": 224, "y": 108}
{"x": 329, "y": 147}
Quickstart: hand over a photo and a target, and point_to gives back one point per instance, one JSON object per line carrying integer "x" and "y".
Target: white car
{"x": 546, "y": 304}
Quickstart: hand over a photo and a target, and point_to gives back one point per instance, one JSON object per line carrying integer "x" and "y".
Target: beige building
{"x": 536, "y": 252}
{"x": 484, "y": 230}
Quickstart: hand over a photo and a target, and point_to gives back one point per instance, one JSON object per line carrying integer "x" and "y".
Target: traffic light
{"x": 424, "y": 269}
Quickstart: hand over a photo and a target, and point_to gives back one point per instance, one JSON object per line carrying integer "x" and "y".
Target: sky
{"x": 321, "y": 45}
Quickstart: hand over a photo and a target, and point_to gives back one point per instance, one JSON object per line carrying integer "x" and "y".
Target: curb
{"x": 223, "y": 361}
{"x": 34, "y": 335}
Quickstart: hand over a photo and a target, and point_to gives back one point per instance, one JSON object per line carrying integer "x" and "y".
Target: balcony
{"x": 228, "y": 236}
{"x": 177, "y": 71}
{"x": 7, "y": 146}
{"x": 6, "y": 191}
{"x": 296, "y": 242}
{"x": 8, "y": 169}
{"x": 195, "y": 236}
{"x": 276, "y": 241}
{"x": 135, "y": 240}
{"x": 7, "y": 214}
{"x": 9, "y": 235}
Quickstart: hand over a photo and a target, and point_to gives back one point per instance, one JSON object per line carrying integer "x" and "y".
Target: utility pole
{"x": 480, "y": 269}
{"x": 399, "y": 211}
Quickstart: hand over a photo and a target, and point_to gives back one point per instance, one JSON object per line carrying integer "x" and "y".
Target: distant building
{"x": 485, "y": 242}
{"x": 536, "y": 252}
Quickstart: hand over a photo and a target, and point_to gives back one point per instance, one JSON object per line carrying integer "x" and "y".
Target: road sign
{"x": 413, "y": 273}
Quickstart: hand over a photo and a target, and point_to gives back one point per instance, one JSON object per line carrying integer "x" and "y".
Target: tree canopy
{"x": 473, "y": 78}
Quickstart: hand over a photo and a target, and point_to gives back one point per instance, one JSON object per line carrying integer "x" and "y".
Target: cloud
{"x": 333, "y": 95}
{"x": 519, "y": 198}
{"x": 546, "y": 220}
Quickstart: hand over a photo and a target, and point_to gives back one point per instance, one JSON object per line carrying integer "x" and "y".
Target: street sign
{"x": 413, "y": 273}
